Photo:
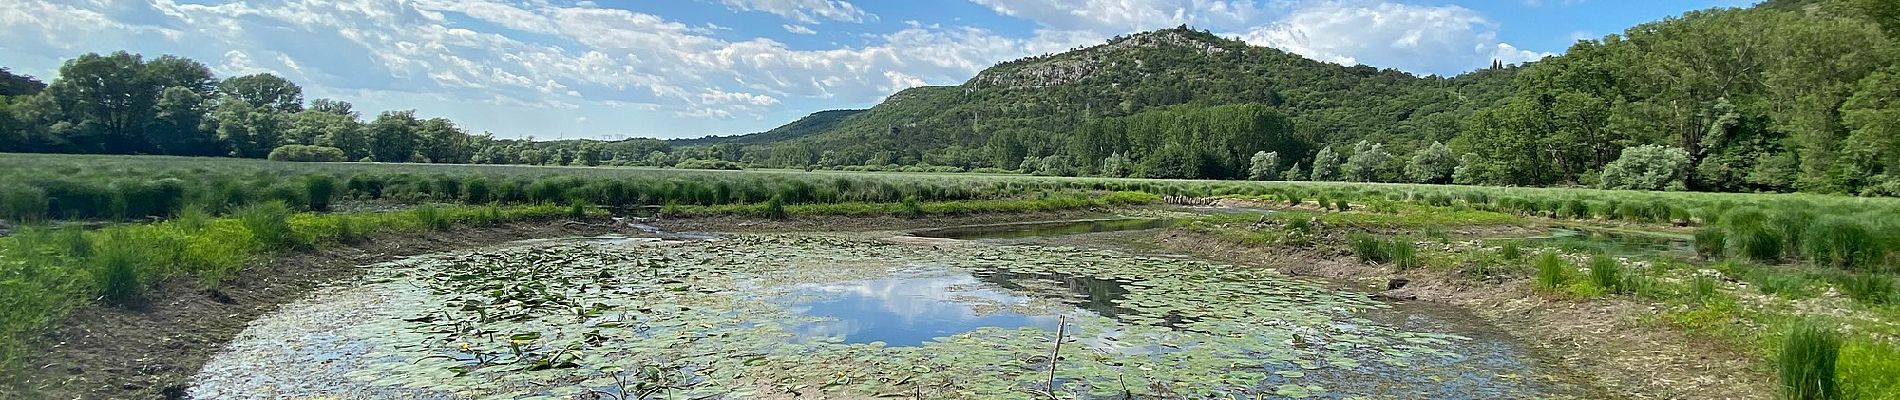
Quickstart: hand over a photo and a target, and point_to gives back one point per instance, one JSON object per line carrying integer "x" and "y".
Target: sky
{"x": 610, "y": 69}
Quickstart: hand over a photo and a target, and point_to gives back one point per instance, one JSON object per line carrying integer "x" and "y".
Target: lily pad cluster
{"x": 709, "y": 320}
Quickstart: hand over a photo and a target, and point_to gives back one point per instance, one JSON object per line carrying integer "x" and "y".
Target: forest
{"x": 1784, "y": 96}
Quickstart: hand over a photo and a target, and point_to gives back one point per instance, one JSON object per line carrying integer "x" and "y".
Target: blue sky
{"x": 685, "y": 68}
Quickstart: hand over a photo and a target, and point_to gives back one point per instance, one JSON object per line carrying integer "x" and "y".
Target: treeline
{"x": 1786, "y": 96}
{"x": 123, "y": 103}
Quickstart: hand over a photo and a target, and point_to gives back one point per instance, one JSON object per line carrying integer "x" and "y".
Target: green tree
{"x": 177, "y": 126}
{"x": 264, "y": 91}
{"x": 1326, "y": 165}
{"x": 1432, "y": 164}
{"x": 250, "y": 132}
{"x": 106, "y": 103}
{"x": 1116, "y": 166}
{"x": 393, "y": 136}
{"x": 1647, "y": 167}
{"x": 1369, "y": 163}
{"x": 1264, "y": 166}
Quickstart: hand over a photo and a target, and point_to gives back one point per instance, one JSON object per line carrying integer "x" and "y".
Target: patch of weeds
{"x": 1552, "y": 271}
{"x": 1807, "y": 361}
{"x": 576, "y": 210}
{"x": 1842, "y": 242}
{"x": 1703, "y": 290}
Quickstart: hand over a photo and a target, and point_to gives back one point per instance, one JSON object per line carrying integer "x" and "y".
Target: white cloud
{"x": 1123, "y": 16}
{"x": 1425, "y": 39}
{"x": 806, "y": 11}
{"x": 798, "y": 29}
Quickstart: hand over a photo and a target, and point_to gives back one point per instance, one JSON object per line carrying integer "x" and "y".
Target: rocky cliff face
{"x": 1075, "y": 66}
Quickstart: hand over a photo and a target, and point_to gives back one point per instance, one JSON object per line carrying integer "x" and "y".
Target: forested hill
{"x": 816, "y": 122}
{"x": 1034, "y": 107}
{"x": 1788, "y": 95}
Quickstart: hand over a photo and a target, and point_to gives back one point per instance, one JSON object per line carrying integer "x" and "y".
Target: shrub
{"x": 269, "y": 224}
{"x": 475, "y": 191}
{"x": 1552, "y": 272}
{"x": 1808, "y": 355}
{"x": 1647, "y": 167}
{"x": 1606, "y": 274}
{"x": 306, "y": 153}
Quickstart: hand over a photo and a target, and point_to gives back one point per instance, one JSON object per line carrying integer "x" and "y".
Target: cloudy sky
{"x": 684, "y": 68}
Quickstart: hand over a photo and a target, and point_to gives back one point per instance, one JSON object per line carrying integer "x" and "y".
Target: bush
{"x": 1808, "y": 355}
{"x": 1647, "y": 167}
{"x": 306, "y": 153}
{"x": 269, "y": 224}
{"x": 1552, "y": 271}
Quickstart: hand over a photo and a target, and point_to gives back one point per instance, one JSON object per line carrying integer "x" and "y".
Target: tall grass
{"x": 115, "y": 269}
{"x": 1606, "y": 274}
{"x": 1842, "y": 242}
{"x": 1552, "y": 271}
{"x": 269, "y": 224}
{"x": 431, "y": 217}
{"x": 1807, "y": 362}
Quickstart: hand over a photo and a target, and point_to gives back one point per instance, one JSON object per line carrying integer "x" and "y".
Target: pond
{"x": 811, "y": 315}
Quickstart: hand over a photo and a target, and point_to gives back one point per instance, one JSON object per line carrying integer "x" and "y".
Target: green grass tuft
{"x": 1808, "y": 356}
{"x": 1552, "y": 271}
{"x": 269, "y": 224}
{"x": 1606, "y": 274}
{"x": 116, "y": 271}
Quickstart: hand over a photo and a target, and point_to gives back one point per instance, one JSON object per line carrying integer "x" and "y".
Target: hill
{"x": 1033, "y": 107}
{"x": 816, "y": 122}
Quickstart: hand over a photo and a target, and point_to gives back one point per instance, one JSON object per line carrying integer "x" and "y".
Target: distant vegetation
{"x": 1790, "y": 95}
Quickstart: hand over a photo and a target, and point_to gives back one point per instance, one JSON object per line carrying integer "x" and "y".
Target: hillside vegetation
{"x": 1789, "y": 95}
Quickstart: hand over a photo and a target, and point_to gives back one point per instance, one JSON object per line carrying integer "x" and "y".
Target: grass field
{"x": 205, "y": 218}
